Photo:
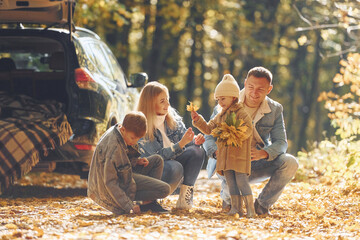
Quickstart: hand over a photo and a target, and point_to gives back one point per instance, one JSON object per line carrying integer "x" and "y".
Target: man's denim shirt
{"x": 271, "y": 128}
{"x": 148, "y": 147}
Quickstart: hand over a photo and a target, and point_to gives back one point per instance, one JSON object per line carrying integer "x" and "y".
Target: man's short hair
{"x": 135, "y": 122}
{"x": 260, "y": 72}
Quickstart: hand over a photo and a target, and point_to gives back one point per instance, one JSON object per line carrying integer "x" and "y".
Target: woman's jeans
{"x": 149, "y": 187}
{"x": 185, "y": 167}
{"x": 280, "y": 171}
{"x": 238, "y": 183}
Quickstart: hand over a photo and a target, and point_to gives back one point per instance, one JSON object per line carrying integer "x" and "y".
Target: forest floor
{"x": 53, "y": 206}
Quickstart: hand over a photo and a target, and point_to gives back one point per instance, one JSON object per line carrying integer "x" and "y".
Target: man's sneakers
{"x": 260, "y": 210}
{"x": 154, "y": 206}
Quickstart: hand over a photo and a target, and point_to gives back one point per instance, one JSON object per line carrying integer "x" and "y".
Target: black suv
{"x": 73, "y": 67}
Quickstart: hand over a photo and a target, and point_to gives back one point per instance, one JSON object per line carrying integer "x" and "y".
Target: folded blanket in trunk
{"x": 27, "y": 133}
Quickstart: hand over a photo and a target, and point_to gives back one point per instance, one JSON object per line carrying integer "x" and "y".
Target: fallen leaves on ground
{"x": 53, "y": 206}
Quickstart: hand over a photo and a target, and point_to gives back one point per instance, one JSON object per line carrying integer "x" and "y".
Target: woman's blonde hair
{"x": 147, "y": 105}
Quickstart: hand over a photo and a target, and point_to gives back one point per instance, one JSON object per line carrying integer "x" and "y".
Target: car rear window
{"x": 29, "y": 53}
{"x": 97, "y": 57}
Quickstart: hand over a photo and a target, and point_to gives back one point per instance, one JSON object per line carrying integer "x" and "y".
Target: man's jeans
{"x": 149, "y": 187}
{"x": 280, "y": 171}
{"x": 186, "y": 166}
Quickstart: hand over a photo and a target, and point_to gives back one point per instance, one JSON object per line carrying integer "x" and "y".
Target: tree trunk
{"x": 116, "y": 36}
{"x": 311, "y": 98}
{"x": 206, "y": 110}
{"x": 195, "y": 56}
{"x": 145, "y": 49}
{"x": 298, "y": 72}
{"x": 154, "y": 60}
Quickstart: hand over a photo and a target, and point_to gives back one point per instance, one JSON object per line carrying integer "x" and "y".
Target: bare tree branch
{"x": 301, "y": 29}
{"x": 350, "y": 30}
{"x": 301, "y": 16}
{"x": 351, "y": 49}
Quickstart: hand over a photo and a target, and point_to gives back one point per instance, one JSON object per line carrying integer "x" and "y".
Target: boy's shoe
{"x": 260, "y": 210}
{"x": 154, "y": 206}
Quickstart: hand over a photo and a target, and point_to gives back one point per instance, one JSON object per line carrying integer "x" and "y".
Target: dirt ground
{"x": 53, "y": 206}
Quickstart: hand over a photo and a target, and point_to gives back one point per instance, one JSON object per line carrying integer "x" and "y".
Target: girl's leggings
{"x": 238, "y": 183}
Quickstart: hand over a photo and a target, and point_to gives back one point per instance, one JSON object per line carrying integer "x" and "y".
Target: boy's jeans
{"x": 149, "y": 187}
{"x": 280, "y": 171}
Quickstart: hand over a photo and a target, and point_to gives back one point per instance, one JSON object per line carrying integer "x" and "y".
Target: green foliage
{"x": 331, "y": 162}
{"x": 352, "y": 159}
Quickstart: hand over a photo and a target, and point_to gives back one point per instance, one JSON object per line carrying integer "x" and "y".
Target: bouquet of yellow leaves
{"x": 231, "y": 132}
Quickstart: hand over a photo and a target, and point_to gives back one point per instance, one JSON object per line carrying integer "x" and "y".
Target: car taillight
{"x": 84, "y": 80}
{"x": 85, "y": 147}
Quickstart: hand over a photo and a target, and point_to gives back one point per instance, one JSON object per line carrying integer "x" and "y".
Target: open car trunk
{"x": 33, "y": 66}
{"x": 33, "y": 103}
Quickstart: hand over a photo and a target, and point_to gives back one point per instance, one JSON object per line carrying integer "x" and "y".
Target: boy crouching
{"x": 112, "y": 183}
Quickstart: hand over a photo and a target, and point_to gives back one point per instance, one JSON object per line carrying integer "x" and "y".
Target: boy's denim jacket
{"x": 110, "y": 181}
{"x": 147, "y": 147}
{"x": 269, "y": 123}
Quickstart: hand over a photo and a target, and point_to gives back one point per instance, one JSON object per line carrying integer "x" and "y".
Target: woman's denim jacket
{"x": 147, "y": 147}
{"x": 110, "y": 181}
{"x": 270, "y": 126}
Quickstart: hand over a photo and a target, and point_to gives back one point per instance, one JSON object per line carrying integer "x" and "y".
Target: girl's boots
{"x": 185, "y": 200}
{"x": 249, "y": 203}
{"x": 236, "y": 205}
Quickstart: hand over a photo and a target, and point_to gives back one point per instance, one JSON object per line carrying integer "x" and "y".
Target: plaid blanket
{"x": 28, "y": 128}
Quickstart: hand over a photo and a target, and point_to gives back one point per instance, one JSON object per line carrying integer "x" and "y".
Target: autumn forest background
{"x": 312, "y": 49}
{"x": 189, "y": 45}
{"x": 310, "y": 46}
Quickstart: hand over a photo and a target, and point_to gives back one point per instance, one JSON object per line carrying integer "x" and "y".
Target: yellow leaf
{"x": 84, "y": 224}
{"x": 191, "y": 107}
{"x": 39, "y": 231}
{"x": 3, "y": 203}
{"x": 11, "y": 226}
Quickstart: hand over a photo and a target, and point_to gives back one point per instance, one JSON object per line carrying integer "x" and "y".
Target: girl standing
{"x": 168, "y": 137}
{"x": 233, "y": 162}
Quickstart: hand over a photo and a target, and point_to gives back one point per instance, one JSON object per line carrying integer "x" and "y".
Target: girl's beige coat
{"x": 229, "y": 157}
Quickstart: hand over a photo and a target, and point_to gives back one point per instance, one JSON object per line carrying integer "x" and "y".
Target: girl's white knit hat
{"x": 228, "y": 87}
